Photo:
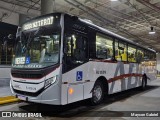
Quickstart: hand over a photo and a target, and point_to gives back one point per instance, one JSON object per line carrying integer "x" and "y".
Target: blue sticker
{"x": 79, "y": 76}
{"x": 27, "y": 60}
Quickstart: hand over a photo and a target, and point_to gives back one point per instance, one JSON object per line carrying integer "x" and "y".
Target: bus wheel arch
{"x": 99, "y": 90}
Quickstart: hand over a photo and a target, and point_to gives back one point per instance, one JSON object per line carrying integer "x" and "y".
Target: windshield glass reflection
{"x": 36, "y": 50}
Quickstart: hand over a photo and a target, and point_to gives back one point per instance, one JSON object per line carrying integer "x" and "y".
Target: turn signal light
{"x": 70, "y": 91}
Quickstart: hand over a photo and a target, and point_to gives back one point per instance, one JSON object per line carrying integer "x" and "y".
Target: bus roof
{"x": 99, "y": 28}
{"x": 114, "y": 34}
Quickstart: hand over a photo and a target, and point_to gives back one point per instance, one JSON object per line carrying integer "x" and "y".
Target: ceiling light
{"x": 114, "y": 0}
{"x": 152, "y": 31}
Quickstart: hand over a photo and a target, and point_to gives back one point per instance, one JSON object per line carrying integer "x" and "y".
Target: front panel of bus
{"x": 36, "y": 67}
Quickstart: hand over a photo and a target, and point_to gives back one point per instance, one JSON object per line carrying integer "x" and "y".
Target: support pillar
{"x": 22, "y": 19}
{"x": 46, "y": 7}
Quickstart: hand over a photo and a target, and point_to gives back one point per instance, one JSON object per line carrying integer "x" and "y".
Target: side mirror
{"x": 18, "y": 32}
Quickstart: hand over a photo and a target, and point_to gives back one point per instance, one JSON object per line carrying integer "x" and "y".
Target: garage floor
{"x": 114, "y": 106}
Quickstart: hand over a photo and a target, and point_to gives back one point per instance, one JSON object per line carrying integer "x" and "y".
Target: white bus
{"x": 60, "y": 59}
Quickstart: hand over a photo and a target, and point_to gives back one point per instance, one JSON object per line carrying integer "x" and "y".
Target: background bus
{"x": 61, "y": 59}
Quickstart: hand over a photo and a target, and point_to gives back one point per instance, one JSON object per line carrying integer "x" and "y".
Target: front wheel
{"x": 97, "y": 93}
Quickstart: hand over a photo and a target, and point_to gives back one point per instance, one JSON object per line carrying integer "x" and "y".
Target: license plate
{"x": 22, "y": 97}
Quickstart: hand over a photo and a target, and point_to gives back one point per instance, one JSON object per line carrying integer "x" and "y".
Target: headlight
{"x": 50, "y": 81}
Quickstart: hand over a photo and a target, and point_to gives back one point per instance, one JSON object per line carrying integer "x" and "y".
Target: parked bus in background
{"x": 60, "y": 59}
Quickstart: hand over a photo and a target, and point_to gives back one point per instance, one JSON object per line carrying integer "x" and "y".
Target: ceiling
{"x": 130, "y": 18}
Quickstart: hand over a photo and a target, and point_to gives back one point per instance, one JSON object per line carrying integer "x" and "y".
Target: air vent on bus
{"x": 30, "y": 76}
{"x": 28, "y": 93}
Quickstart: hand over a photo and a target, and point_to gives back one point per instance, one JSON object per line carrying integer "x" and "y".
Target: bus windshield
{"x": 37, "y": 50}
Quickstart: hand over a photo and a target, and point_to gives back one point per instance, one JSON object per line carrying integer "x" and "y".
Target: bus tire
{"x": 97, "y": 93}
{"x": 144, "y": 82}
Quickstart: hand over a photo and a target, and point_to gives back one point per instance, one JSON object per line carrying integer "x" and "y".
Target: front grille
{"x": 28, "y": 93}
{"x": 22, "y": 75}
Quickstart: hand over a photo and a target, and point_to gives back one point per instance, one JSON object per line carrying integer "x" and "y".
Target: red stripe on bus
{"x": 124, "y": 76}
{"x": 110, "y": 61}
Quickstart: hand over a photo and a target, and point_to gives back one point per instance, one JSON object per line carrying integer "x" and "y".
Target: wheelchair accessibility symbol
{"x": 27, "y": 60}
{"x": 79, "y": 76}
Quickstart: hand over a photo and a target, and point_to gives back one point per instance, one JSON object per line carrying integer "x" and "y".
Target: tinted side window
{"x": 120, "y": 51}
{"x": 131, "y": 53}
{"x": 152, "y": 56}
{"x": 146, "y": 55}
{"x": 104, "y": 47}
{"x": 140, "y": 55}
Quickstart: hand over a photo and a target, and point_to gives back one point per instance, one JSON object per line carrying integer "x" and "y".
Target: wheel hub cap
{"x": 97, "y": 93}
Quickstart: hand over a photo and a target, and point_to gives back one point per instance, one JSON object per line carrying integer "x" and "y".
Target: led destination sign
{"x": 39, "y": 23}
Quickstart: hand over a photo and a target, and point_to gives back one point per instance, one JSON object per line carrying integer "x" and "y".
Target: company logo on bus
{"x": 39, "y": 23}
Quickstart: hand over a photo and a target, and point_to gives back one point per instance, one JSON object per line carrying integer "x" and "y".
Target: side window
{"x": 120, "y": 51}
{"x": 75, "y": 49}
{"x": 152, "y": 56}
{"x": 140, "y": 55}
{"x": 131, "y": 53}
{"x": 104, "y": 47}
{"x": 150, "y": 59}
{"x": 146, "y": 55}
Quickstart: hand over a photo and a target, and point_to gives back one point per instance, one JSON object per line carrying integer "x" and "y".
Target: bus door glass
{"x": 76, "y": 50}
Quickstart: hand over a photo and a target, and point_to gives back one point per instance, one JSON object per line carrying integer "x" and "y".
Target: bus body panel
{"x": 49, "y": 95}
{"x": 130, "y": 76}
{"x": 76, "y": 83}
{"x": 75, "y": 92}
{"x": 52, "y": 94}
{"x": 64, "y": 93}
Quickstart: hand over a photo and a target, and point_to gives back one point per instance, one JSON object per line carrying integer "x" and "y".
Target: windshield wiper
{"x": 29, "y": 39}
{"x": 22, "y": 39}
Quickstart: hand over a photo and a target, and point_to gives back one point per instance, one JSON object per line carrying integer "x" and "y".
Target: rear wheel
{"x": 97, "y": 93}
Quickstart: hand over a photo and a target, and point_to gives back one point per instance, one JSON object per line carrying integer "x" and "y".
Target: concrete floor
{"x": 114, "y": 105}
{"x": 5, "y": 91}
{"x": 4, "y": 87}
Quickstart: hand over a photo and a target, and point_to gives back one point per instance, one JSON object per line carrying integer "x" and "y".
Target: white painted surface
{"x": 77, "y": 93}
